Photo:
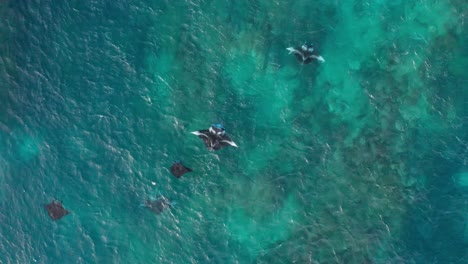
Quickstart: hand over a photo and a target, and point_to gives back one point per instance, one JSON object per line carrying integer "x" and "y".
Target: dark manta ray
{"x": 305, "y": 54}
{"x": 56, "y": 210}
{"x": 215, "y": 137}
{"x": 158, "y": 205}
{"x": 178, "y": 169}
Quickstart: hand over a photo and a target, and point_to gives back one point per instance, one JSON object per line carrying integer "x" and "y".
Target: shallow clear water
{"x": 361, "y": 159}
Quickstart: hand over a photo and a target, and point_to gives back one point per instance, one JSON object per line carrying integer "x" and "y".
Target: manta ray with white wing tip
{"x": 215, "y": 137}
{"x": 305, "y": 53}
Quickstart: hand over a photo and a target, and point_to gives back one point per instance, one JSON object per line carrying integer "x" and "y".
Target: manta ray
{"x": 157, "y": 205}
{"x": 178, "y": 169}
{"x": 56, "y": 210}
{"x": 215, "y": 137}
{"x": 305, "y": 54}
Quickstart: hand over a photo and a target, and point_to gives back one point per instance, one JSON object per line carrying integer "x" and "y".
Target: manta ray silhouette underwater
{"x": 157, "y": 205}
{"x": 56, "y": 210}
{"x": 214, "y": 138}
{"x": 178, "y": 169}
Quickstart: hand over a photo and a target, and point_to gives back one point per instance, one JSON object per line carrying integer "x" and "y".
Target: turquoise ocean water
{"x": 361, "y": 159}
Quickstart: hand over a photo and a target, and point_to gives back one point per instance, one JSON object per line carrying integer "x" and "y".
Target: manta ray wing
{"x": 291, "y": 50}
{"x": 185, "y": 169}
{"x": 227, "y": 141}
{"x": 201, "y": 133}
{"x": 205, "y": 136}
{"x": 319, "y": 58}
